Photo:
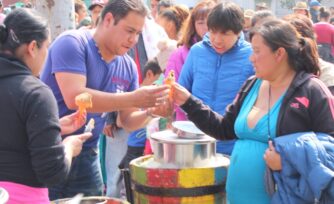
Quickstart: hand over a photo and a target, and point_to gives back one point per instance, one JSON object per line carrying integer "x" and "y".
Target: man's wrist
{"x": 149, "y": 113}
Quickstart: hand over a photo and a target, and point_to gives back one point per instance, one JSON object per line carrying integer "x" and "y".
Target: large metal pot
{"x": 90, "y": 200}
{"x": 168, "y": 148}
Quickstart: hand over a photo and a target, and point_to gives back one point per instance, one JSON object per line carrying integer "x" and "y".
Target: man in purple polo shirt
{"x": 95, "y": 61}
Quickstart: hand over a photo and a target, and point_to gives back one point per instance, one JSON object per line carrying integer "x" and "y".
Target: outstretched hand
{"x": 150, "y": 96}
{"x": 180, "y": 94}
{"x": 164, "y": 110}
{"x": 73, "y": 144}
{"x": 165, "y": 107}
{"x": 72, "y": 122}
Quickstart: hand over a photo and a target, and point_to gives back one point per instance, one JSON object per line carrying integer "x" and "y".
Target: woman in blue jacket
{"x": 216, "y": 67}
{"x": 284, "y": 97}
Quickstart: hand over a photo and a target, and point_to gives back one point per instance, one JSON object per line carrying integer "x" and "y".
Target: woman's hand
{"x": 180, "y": 94}
{"x": 73, "y": 144}
{"x": 164, "y": 110}
{"x": 272, "y": 158}
{"x": 72, "y": 122}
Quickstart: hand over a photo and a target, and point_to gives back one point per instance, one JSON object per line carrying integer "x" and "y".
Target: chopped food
{"x": 83, "y": 101}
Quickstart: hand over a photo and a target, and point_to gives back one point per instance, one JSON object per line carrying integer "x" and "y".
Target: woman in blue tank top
{"x": 281, "y": 99}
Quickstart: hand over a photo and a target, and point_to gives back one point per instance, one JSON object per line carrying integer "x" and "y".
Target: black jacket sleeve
{"x": 44, "y": 139}
{"x": 212, "y": 123}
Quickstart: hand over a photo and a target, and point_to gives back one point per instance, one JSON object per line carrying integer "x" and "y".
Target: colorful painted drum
{"x": 158, "y": 183}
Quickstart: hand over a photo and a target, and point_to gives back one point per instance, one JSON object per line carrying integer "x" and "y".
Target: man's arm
{"x": 71, "y": 84}
{"x": 133, "y": 119}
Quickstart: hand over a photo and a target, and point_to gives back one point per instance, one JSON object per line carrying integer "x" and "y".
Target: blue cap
{"x": 314, "y": 3}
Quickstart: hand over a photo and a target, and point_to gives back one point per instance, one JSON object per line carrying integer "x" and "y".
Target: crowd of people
{"x": 260, "y": 84}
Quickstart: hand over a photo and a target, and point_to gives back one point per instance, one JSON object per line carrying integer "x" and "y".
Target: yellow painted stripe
{"x": 208, "y": 199}
{"x": 189, "y": 178}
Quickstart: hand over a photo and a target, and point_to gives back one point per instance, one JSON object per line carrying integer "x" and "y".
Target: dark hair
{"x": 261, "y": 15}
{"x": 226, "y": 16}
{"x": 200, "y": 11}
{"x": 152, "y": 65}
{"x": 164, "y": 3}
{"x": 79, "y": 4}
{"x": 279, "y": 33}
{"x": 324, "y": 13}
{"x": 302, "y": 23}
{"x": 22, "y": 26}
{"x": 178, "y": 14}
{"x": 304, "y": 27}
{"x": 121, "y": 8}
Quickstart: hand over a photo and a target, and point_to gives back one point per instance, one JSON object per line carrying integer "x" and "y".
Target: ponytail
{"x": 22, "y": 26}
{"x": 307, "y": 59}
{"x": 8, "y": 39}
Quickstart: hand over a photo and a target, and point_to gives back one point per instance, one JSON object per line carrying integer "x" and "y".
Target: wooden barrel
{"x": 154, "y": 183}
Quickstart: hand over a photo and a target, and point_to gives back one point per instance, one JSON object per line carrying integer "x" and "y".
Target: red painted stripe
{"x": 166, "y": 178}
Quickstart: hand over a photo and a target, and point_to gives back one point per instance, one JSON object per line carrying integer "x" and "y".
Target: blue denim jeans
{"x": 85, "y": 177}
{"x": 115, "y": 150}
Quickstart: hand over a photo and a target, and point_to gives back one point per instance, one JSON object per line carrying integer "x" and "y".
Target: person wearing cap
{"x": 261, "y": 6}
{"x": 301, "y": 8}
{"x": 95, "y": 9}
{"x": 314, "y": 10}
{"x": 248, "y": 14}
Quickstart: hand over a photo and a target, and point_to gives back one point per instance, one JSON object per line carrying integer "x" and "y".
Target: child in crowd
{"x": 137, "y": 138}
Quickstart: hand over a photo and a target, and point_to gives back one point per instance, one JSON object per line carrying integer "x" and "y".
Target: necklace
{"x": 98, "y": 51}
{"x": 268, "y": 121}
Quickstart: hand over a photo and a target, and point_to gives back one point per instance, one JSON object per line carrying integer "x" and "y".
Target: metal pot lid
{"x": 187, "y": 129}
{"x": 168, "y": 136}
